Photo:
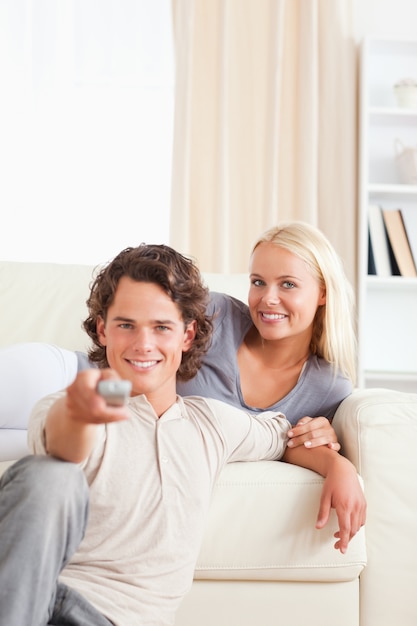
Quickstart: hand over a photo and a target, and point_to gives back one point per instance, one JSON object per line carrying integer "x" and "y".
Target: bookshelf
{"x": 387, "y": 306}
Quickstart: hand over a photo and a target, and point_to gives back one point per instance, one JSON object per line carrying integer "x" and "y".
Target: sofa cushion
{"x": 262, "y": 526}
{"x": 49, "y": 301}
{"x": 378, "y": 432}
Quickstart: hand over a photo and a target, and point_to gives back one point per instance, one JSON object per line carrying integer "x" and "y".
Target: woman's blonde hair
{"x": 334, "y": 336}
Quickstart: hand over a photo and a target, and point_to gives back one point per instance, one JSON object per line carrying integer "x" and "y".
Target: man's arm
{"x": 341, "y": 490}
{"x": 71, "y": 424}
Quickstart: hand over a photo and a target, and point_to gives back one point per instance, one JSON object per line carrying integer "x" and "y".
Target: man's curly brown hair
{"x": 178, "y": 276}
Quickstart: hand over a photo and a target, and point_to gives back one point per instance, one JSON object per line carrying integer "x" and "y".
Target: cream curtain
{"x": 265, "y": 125}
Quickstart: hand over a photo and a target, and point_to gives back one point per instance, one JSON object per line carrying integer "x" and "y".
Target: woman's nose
{"x": 271, "y": 296}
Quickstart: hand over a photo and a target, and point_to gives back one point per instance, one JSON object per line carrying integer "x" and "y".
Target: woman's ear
{"x": 322, "y": 297}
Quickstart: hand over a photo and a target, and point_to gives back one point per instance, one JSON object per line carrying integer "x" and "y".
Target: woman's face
{"x": 284, "y": 295}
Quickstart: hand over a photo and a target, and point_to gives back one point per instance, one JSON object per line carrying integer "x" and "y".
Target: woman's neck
{"x": 279, "y": 354}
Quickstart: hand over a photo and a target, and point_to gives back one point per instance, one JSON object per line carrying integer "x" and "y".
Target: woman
{"x": 292, "y": 349}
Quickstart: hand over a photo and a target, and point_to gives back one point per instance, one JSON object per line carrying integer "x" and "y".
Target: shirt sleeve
{"x": 36, "y": 432}
{"x": 248, "y": 437}
{"x": 36, "y": 426}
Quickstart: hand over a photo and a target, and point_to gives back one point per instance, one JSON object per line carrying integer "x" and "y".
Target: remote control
{"x": 115, "y": 392}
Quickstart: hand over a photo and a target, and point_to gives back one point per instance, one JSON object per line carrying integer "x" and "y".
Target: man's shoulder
{"x": 209, "y": 407}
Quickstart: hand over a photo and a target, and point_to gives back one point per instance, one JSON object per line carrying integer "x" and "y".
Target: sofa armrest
{"x": 377, "y": 429}
{"x": 261, "y": 526}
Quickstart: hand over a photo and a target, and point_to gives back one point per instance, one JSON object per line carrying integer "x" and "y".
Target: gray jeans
{"x": 43, "y": 515}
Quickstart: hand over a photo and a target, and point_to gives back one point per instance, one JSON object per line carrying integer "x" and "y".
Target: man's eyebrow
{"x": 120, "y": 318}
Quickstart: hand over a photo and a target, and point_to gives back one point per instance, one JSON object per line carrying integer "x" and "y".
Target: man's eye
{"x": 162, "y": 328}
{"x": 125, "y": 325}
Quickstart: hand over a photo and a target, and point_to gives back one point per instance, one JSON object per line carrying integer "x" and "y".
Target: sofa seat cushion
{"x": 262, "y": 526}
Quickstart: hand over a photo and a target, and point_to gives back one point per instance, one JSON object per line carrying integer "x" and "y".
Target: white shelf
{"x": 392, "y": 190}
{"x": 401, "y": 381}
{"x": 391, "y": 376}
{"x": 387, "y": 307}
{"x": 377, "y": 111}
{"x": 399, "y": 283}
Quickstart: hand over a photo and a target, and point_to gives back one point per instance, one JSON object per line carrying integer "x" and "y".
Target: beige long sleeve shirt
{"x": 150, "y": 484}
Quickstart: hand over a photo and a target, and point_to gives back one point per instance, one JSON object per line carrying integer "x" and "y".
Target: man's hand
{"x": 71, "y": 426}
{"x": 84, "y": 404}
{"x": 313, "y": 432}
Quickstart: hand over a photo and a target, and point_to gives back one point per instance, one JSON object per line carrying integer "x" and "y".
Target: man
{"x": 150, "y": 466}
{"x": 103, "y": 525}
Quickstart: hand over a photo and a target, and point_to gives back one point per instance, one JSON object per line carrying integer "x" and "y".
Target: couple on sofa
{"x": 148, "y": 319}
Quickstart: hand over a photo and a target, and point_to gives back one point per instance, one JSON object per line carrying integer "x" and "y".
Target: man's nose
{"x": 143, "y": 340}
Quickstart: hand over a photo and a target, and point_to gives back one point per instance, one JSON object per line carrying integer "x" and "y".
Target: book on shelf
{"x": 371, "y": 258}
{"x": 379, "y": 244}
{"x": 399, "y": 242}
{"x": 409, "y": 215}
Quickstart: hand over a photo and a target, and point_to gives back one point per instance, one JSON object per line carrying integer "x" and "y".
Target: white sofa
{"x": 262, "y": 562}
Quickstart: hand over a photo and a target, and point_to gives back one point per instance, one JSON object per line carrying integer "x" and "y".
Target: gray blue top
{"x": 317, "y": 392}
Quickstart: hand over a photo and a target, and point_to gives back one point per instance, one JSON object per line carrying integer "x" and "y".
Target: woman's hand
{"x": 313, "y": 432}
{"x": 342, "y": 490}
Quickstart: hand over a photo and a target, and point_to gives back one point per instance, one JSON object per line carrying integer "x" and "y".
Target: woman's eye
{"x": 288, "y": 284}
{"x": 258, "y": 282}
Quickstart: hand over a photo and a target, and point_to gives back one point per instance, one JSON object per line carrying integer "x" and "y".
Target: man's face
{"x": 145, "y": 337}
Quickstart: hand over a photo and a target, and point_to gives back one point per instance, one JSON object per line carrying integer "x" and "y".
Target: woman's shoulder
{"x": 222, "y": 306}
{"x": 319, "y": 391}
{"x": 221, "y": 300}
{"x": 322, "y": 373}
{"x": 321, "y": 380}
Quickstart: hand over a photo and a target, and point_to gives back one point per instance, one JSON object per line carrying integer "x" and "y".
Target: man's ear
{"x": 189, "y": 335}
{"x": 101, "y": 331}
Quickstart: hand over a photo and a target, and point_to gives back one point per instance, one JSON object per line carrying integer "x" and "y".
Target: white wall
{"x": 85, "y": 149}
{"x": 86, "y": 122}
{"x": 386, "y": 18}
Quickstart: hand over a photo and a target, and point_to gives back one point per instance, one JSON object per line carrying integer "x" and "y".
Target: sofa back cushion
{"x": 47, "y": 301}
